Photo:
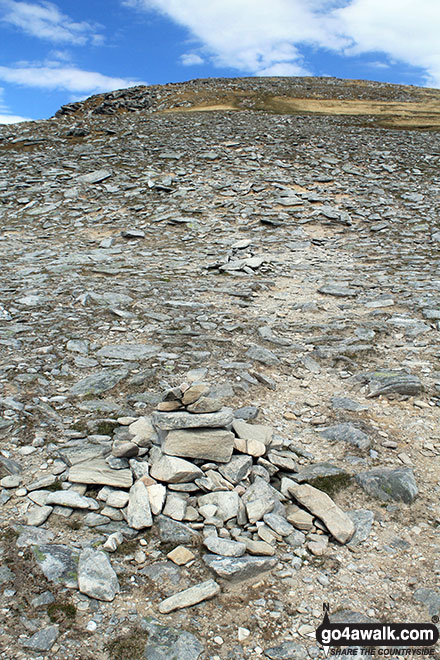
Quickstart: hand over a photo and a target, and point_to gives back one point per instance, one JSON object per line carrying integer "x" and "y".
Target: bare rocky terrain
{"x": 220, "y": 379}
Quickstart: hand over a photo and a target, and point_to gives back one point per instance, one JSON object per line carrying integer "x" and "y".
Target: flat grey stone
{"x": 239, "y": 568}
{"x": 171, "y": 531}
{"x": 33, "y": 536}
{"x": 322, "y": 506}
{"x": 225, "y": 501}
{"x": 168, "y": 421}
{"x": 6, "y": 575}
{"x": 430, "y": 598}
{"x": 189, "y": 597}
{"x": 386, "y": 381}
{"x": 211, "y": 445}
{"x": 278, "y": 524}
{"x": 99, "y": 382}
{"x": 389, "y": 484}
{"x": 138, "y": 509}
{"x": 174, "y": 470}
{"x": 96, "y": 577}
{"x": 43, "y": 640}
{"x": 99, "y": 473}
{"x": 72, "y": 499}
{"x": 94, "y": 177}
{"x": 363, "y": 522}
{"x": 344, "y": 403}
{"x": 309, "y": 473}
{"x": 338, "y": 291}
{"x": 58, "y": 563}
{"x": 263, "y": 355}
{"x": 286, "y": 651}
{"x": 347, "y": 432}
{"x": 224, "y": 547}
{"x": 170, "y": 644}
{"x": 259, "y": 499}
{"x": 130, "y": 352}
{"x": 237, "y": 469}
{"x": 37, "y": 515}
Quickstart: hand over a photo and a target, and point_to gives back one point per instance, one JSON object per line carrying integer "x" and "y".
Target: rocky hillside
{"x": 220, "y": 378}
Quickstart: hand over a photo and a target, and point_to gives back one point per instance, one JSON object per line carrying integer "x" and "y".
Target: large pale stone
{"x": 96, "y": 577}
{"x": 239, "y": 568}
{"x": 174, "y": 470}
{"x": 225, "y": 501}
{"x": 258, "y": 432}
{"x": 212, "y": 445}
{"x": 338, "y": 523}
{"x": 185, "y": 420}
{"x": 143, "y": 431}
{"x": 98, "y": 472}
{"x": 72, "y": 499}
{"x": 191, "y": 596}
{"x": 138, "y": 509}
{"x": 157, "y": 494}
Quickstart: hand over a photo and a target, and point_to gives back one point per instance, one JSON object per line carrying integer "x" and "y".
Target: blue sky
{"x": 53, "y": 53}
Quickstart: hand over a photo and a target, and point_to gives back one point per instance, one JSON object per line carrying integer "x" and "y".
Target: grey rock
{"x": 263, "y": 355}
{"x": 72, "y": 499}
{"x": 430, "y": 598}
{"x": 225, "y": 501}
{"x": 322, "y": 506}
{"x": 259, "y": 499}
{"x": 130, "y": 352}
{"x": 138, "y": 509}
{"x": 239, "y": 568}
{"x": 363, "y": 522}
{"x": 33, "y": 536}
{"x": 170, "y": 644}
{"x": 171, "y": 531}
{"x": 278, "y": 524}
{"x": 189, "y": 597}
{"x": 184, "y": 420}
{"x": 389, "y": 484}
{"x": 211, "y": 445}
{"x": 94, "y": 177}
{"x": 314, "y": 471}
{"x": 286, "y": 651}
{"x": 344, "y": 403}
{"x": 37, "y": 515}
{"x": 347, "y": 432}
{"x": 58, "y": 563}
{"x": 175, "y": 506}
{"x": 337, "y": 290}
{"x": 96, "y": 577}
{"x": 98, "y": 472}
{"x": 224, "y": 547}
{"x": 98, "y": 383}
{"x": 6, "y": 575}
{"x": 43, "y": 640}
{"x": 387, "y": 381}
{"x": 246, "y": 413}
{"x": 174, "y": 470}
{"x": 237, "y": 469}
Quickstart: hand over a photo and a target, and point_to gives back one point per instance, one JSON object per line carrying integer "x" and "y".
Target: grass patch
{"x": 129, "y": 646}
{"x": 332, "y": 484}
{"x": 62, "y": 612}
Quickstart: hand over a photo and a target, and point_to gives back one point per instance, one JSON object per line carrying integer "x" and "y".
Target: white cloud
{"x": 12, "y": 119}
{"x": 191, "y": 59}
{"x": 251, "y": 35}
{"x": 406, "y": 30}
{"x": 265, "y": 37}
{"x": 45, "y": 21}
{"x": 63, "y": 78}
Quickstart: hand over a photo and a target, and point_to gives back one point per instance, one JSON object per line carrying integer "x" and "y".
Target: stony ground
{"x": 290, "y": 262}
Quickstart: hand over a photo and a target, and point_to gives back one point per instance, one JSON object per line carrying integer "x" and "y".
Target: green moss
{"x": 106, "y": 428}
{"x": 130, "y": 646}
{"x": 39, "y": 556}
{"x": 57, "y": 485}
{"x": 332, "y": 484}
{"x": 61, "y": 612}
